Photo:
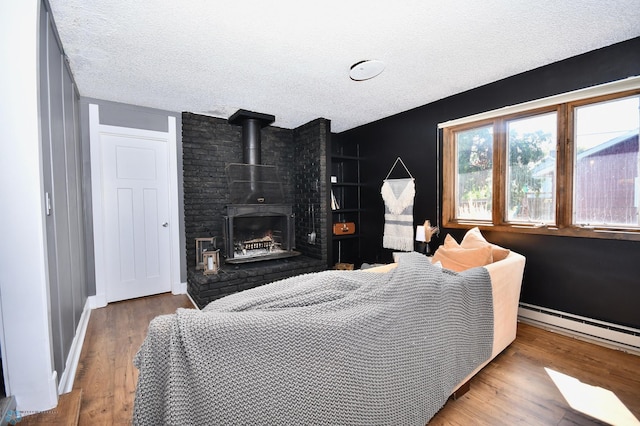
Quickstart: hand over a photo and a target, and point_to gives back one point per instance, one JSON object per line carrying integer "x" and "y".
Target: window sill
{"x": 573, "y": 231}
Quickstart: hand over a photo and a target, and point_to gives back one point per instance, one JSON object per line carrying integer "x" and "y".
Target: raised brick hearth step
{"x": 233, "y": 278}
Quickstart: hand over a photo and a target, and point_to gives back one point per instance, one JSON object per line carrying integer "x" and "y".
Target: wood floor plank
{"x": 526, "y": 394}
{"x": 514, "y": 389}
{"x": 105, "y": 370}
{"x": 65, "y": 414}
{"x": 95, "y": 373}
{"x": 124, "y": 377}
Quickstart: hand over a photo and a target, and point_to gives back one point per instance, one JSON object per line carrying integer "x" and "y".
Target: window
{"x": 474, "y": 173}
{"x": 606, "y": 163}
{"x": 568, "y": 168}
{"x": 531, "y": 169}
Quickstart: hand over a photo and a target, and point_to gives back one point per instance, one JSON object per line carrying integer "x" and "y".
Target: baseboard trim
{"x": 600, "y": 332}
{"x": 192, "y": 302}
{"x": 97, "y": 301}
{"x": 69, "y": 374}
{"x": 179, "y": 288}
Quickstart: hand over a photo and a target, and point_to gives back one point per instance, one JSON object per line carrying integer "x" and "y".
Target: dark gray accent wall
{"x": 590, "y": 277}
{"x": 62, "y": 175}
{"x": 209, "y": 144}
{"x": 137, "y": 117}
{"x": 309, "y": 166}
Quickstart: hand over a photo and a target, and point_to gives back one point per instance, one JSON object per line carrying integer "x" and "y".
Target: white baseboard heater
{"x": 605, "y": 333}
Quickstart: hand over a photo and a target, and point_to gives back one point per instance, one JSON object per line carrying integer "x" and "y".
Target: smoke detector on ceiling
{"x": 364, "y": 70}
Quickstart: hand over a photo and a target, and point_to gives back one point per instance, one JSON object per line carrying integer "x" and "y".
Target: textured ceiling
{"x": 291, "y": 58}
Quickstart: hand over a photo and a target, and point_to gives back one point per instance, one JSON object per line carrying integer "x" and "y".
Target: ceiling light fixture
{"x": 364, "y": 70}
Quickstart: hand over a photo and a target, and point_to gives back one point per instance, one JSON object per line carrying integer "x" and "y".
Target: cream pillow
{"x": 474, "y": 239}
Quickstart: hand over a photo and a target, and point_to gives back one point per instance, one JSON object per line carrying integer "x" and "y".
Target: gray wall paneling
{"x": 62, "y": 181}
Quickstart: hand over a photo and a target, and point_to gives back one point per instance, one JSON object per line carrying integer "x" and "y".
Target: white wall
{"x": 27, "y": 353}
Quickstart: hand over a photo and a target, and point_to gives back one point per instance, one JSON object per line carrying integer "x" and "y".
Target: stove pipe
{"x": 252, "y": 123}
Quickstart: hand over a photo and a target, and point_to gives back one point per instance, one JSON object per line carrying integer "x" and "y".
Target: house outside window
{"x": 568, "y": 168}
{"x": 607, "y": 163}
{"x": 531, "y": 169}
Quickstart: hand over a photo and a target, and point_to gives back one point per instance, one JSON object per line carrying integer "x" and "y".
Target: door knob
{"x": 164, "y": 225}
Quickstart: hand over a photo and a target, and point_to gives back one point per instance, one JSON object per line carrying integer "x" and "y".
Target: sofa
{"x": 506, "y": 281}
{"x": 384, "y": 346}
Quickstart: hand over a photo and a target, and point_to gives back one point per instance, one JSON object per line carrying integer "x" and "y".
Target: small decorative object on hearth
{"x": 211, "y": 261}
{"x": 202, "y": 246}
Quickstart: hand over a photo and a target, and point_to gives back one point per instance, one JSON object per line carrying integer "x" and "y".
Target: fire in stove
{"x": 257, "y": 246}
{"x": 258, "y": 232}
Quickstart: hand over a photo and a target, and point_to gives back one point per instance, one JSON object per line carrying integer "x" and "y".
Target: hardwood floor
{"x": 514, "y": 389}
{"x": 105, "y": 371}
{"x": 66, "y": 413}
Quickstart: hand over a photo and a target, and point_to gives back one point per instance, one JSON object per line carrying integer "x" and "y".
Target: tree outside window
{"x": 474, "y": 173}
{"x": 531, "y": 172}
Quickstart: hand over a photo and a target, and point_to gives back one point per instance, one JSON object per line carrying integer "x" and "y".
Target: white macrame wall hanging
{"x": 398, "y": 196}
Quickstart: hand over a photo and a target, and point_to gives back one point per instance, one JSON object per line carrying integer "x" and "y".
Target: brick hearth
{"x": 233, "y": 278}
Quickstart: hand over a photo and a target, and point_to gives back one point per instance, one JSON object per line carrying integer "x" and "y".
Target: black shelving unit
{"x": 346, "y": 188}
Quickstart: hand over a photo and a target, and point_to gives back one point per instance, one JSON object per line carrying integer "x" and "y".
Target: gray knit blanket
{"x": 328, "y": 348}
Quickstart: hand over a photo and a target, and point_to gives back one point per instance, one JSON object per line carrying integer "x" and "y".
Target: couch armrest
{"x": 506, "y": 282}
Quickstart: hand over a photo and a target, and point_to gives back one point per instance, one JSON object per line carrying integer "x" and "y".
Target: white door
{"x": 136, "y": 215}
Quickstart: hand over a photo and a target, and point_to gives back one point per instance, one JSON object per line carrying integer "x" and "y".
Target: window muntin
{"x": 606, "y": 187}
{"x": 530, "y": 184}
{"x": 474, "y": 173}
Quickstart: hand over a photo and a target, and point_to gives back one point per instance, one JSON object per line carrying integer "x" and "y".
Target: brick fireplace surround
{"x": 209, "y": 144}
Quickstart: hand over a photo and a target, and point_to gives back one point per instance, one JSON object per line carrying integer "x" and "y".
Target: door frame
{"x": 95, "y": 130}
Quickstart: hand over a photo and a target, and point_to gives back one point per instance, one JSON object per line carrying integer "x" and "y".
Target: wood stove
{"x": 258, "y": 224}
{"x": 258, "y": 232}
